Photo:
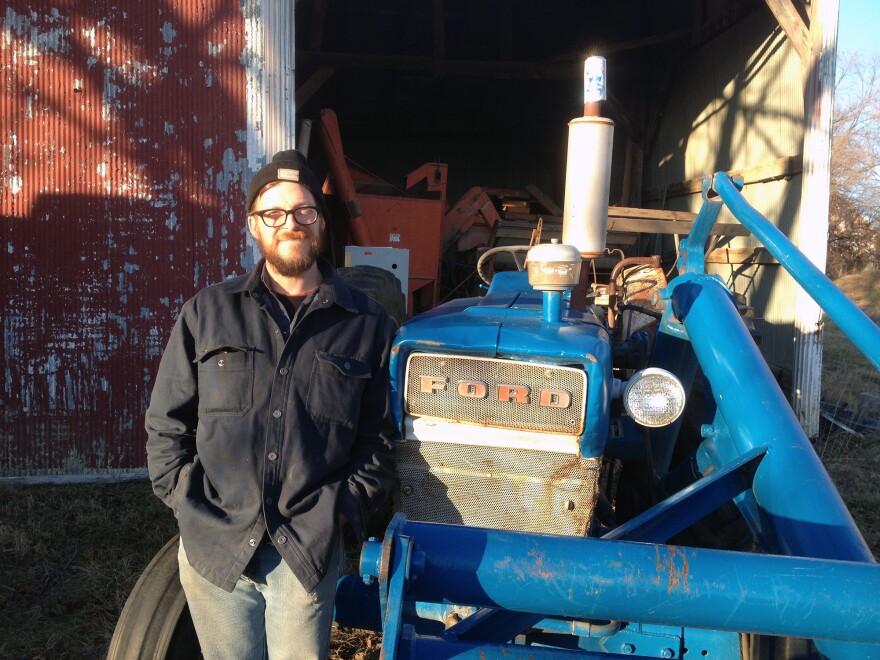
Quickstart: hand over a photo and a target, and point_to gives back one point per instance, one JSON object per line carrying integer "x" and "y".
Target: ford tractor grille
{"x": 497, "y": 393}
{"x": 497, "y": 487}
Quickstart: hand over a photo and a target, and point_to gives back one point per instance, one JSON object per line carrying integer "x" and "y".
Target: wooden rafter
{"x": 793, "y": 25}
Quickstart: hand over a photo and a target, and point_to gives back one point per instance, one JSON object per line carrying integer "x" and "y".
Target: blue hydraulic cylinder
{"x": 853, "y": 321}
{"x": 591, "y": 578}
{"x": 797, "y": 497}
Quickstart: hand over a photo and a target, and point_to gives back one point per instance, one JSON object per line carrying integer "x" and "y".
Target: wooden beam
{"x": 651, "y": 214}
{"x": 617, "y": 212}
{"x": 793, "y": 25}
{"x": 621, "y": 46}
{"x": 523, "y": 232}
{"x": 545, "y": 200}
{"x": 739, "y": 256}
{"x": 645, "y": 226}
{"x": 632, "y": 220}
{"x": 438, "y": 20}
{"x": 506, "y": 192}
{"x": 308, "y": 89}
{"x": 511, "y": 70}
{"x": 781, "y": 168}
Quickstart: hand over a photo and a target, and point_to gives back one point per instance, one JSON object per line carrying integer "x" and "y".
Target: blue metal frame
{"x": 818, "y": 580}
{"x": 518, "y": 573}
{"x": 853, "y": 321}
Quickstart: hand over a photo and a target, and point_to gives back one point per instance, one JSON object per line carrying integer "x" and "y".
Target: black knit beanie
{"x": 289, "y": 165}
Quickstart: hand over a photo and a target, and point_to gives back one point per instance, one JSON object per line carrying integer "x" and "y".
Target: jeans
{"x": 267, "y": 615}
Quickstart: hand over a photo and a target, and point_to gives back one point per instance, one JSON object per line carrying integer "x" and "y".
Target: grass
{"x": 853, "y": 461}
{"x": 71, "y": 554}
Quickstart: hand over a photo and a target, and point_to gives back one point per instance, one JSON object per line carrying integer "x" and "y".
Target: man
{"x": 269, "y": 427}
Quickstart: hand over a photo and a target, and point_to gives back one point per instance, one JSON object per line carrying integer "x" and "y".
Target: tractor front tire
{"x": 155, "y": 622}
{"x": 381, "y": 285}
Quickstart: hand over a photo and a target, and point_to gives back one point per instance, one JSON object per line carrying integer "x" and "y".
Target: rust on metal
{"x": 674, "y": 568}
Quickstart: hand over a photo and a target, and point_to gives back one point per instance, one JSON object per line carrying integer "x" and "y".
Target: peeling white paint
{"x": 138, "y": 74}
{"x": 168, "y": 32}
{"x": 169, "y": 128}
{"x": 70, "y": 369}
{"x": 37, "y": 40}
{"x": 252, "y": 60}
{"x": 89, "y": 35}
{"x": 109, "y": 102}
{"x": 233, "y": 171}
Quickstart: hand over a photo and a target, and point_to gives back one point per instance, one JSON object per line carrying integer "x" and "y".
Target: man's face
{"x": 290, "y": 249}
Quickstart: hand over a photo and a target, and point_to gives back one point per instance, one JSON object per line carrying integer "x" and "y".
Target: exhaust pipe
{"x": 588, "y": 169}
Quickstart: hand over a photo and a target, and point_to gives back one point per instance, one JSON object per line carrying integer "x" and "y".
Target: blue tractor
{"x": 571, "y": 487}
{"x": 597, "y": 469}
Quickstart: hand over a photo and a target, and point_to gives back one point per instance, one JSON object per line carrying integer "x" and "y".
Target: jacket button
{"x": 276, "y": 414}
{"x": 347, "y": 365}
{"x": 283, "y": 371}
{"x": 220, "y": 363}
{"x": 282, "y": 539}
{"x": 268, "y": 500}
{"x": 252, "y": 542}
{"x": 272, "y": 455}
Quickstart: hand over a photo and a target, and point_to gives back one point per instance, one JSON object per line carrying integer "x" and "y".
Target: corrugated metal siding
{"x": 738, "y": 103}
{"x": 124, "y": 149}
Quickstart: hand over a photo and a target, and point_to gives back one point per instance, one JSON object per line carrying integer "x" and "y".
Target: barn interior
{"x": 489, "y": 88}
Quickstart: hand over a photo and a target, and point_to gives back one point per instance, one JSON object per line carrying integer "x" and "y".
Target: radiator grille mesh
{"x": 497, "y": 487}
{"x": 541, "y": 410}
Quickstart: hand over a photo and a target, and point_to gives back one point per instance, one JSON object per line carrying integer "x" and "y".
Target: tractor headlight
{"x": 654, "y": 397}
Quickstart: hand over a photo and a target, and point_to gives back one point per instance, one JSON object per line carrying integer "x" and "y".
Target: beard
{"x": 297, "y": 262}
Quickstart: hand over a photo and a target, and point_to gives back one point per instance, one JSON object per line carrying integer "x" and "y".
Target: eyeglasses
{"x": 303, "y": 215}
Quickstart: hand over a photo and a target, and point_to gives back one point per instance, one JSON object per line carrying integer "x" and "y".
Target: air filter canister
{"x": 587, "y": 184}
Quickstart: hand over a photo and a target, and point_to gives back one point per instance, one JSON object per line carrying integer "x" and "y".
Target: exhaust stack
{"x": 588, "y": 169}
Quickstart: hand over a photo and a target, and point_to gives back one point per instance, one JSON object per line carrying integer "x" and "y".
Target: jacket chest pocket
{"x": 335, "y": 388}
{"x": 226, "y": 381}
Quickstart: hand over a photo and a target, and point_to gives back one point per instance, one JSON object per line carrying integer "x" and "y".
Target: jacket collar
{"x": 333, "y": 289}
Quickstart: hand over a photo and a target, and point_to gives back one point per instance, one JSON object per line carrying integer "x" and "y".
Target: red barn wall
{"x": 124, "y": 148}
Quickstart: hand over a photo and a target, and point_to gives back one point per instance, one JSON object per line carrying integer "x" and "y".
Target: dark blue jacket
{"x": 258, "y": 424}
